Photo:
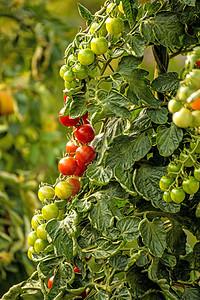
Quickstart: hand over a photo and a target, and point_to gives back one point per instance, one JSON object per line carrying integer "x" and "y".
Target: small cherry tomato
{"x": 67, "y": 165}
{"x": 36, "y": 221}
{"x": 81, "y": 169}
{"x": 188, "y": 162}
{"x": 197, "y": 174}
{"x": 193, "y": 78}
{"x": 167, "y": 197}
{"x": 196, "y": 118}
{"x": 32, "y": 237}
{"x": 177, "y": 195}
{"x": 99, "y": 45}
{"x": 71, "y": 85}
{"x": 46, "y": 192}
{"x": 31, "y": 251}
{"x": 85, "y": 154}
{"x": 40, "y": 245}
{"x": 50, "y": 282}
{"x": 76, "y": 270}
{"x": 192, "y": 146}
{"x": 184, "y": 92}
{"x": 173, "y": 169}
{"x": 63, "y": 190}
{"x": 50, "y": 211}
{"x": 80, "y": 71}
{"x": 84, "y": 133}
{"x": 183, "y": 118}
{"x": 86, "y": 57}
{"x": 114, "y": 25}
{"x": 71, "y": 148}
{"x": 165, "y": 182}
{"x": 101, "y": 32}
{"x": 66, "y": 121}
{"x": 190, "y": 185}
{"x": 68, "y": 76}
{"x": 41, "y": 232}
{"x": 63, "y": 69}
{"x": 174, "y": 105}
{"x": 75, "y": 184}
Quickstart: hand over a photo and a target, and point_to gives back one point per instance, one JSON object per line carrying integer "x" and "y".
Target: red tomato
{"x": 65, "y": 97}
{"x": 66, "y": 121}
{"x": 84, "y": 133}
{"x": 50, "y": 282}
{"x": 198, "y": 63}
{"x": 71, "y": 148}
{"x": 86, "y": 121}
{"x": 67, "y": 165}
{"x": 83, "y": 295}
{"x": 85, "y": 154}
{"x": 85, "y": 116}
{"x": 75, "y": 184}
{"x": 76, "y": 270}
{"x": 88, "y": 258}
{"x": 80, "y": 170}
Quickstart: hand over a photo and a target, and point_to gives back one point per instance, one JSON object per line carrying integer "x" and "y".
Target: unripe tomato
{"x": 167, "y": 197}
{"x": 72, "y": 59}
{"x": 36, "y": 221}
{"x": 173, "y": 169}
{"x": 31, "y": 251}
{"x": 85, "y": 154}
{"x": 71, "y": 85}
{"x": 120, "y": 7}
{"x": 63, "y": 190}
{"x": 68, "y": 76}
{"x": 86, "y": 57}
{"x": 80, "y": 71}
{"x": 46, "y": 192}
{"x": 63, "y": 69}
{"x": 190, "y": 185}
{"x": 188, "y": 162}
{"x": 66, "y": 121}
{"x": 32, "y": 237}
{"x": 41, "y": 232}
{"x": 99, "y": 45}
{"x": 177, "y": 195}
{"x": 114, "y": 25}
{"x": 75, "y": 184}
{"x": 193, "y": 144}
{"x": 84, "y": 133}
{"x": 174, "y": 105}
{"x": 50, "y": 282}
{"x": 50, "y": 211}
{"x": 196, "y": 118}
{"x": 40, "y": 245}
{"x": 67, "y": 165}
{"x": 193, "y": 78}
{"x": 184, "y": 92}
{"x": 183, "y": 118}
{"x": 197, "y": 174}
{"x": 71, "y": 148}
{"x": 165, "y": 182}
{"x": 81, "y": 169}
{"x": 101, "y": 32}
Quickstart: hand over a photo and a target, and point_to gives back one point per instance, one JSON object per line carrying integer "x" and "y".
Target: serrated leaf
{"x": 188, "y": 2}
{"x": 99, "y": 175}
{"x": 176, "y": 239}
{"x": 128, "y": 227}
{"x": 137, "y": 44}
{"x": 129, "y": 11}
{"x": 141, "y": 123}
{"x": 126, "y": 149}
{"x": 191, "y": 294}
{"x": 125, "y": 180}
{"x": 158, "y": 115}
{"x": 102, "y": 295}
{"x": 153, "y": 236}
{"x": 166, "y": 82}
{"x": 127, "y": 64}
{"x": 168, "y": 139}
{"x": 83, "y": 205}
{"x": 85, "y": 13}
{"x": 123, "y": 294}
{"x": 106, "y": 248}
{"x": 78, "y": 106}
{"x": 118, "y": 262}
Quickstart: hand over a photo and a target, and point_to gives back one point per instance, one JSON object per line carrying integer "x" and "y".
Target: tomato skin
{"x": 196, "y": 118}
{"x": 174, "y": 106}
{"x": 71, "y": 85}
{"x": 190, "y": 185}
{"x": 65, "y": 97}
{"x": 197, "y": 174}
{"x": 83, "y": 294}
{"x": 72, "y": 59}
{"x": 76, "y": 270}
{"x": 101, "y": 32}
{"x": 167, "y": 197}
{"x": 165, "y": 182}
{"x": 67, "y": 165}
{"x": 188, "y": 162}
{"x": 32, "y": 237}
{"x": 36, "y": 221}
{"x": 66, "y": 121}
{"x": 31, "y": 251}
{"x": 99, "y": 45}
{"x": 75, "y": 184}
{"x": 40, "y": 245}
{"x": 68, "y": 76}
{"x": 41, "y": 232}
{"x": 86, "y": 57}
{"x": 114, "y": 25}
{"x": 81, "y": 169}
{"x": 183, "y": 118}
{"x": 63, "y": 190}
{"x": 63, "y": 69}
{"x": 50, "y": 211}
{"x": 50, "y": 282}
{"x": 198, "y": 63}
{"x": 71, "y": 148}
{"x": 85, "y": 116}
{"x": 193, "y": 78}
{"x": 184, "y": 92}
{"x": 173, "y": 169}
{"x": 85, "y": 154}
{"x": 80, "y": 71}
{"x": 45, "y": 192}
{"x": 177, "y": 195}
{"x": 84, "y": 133}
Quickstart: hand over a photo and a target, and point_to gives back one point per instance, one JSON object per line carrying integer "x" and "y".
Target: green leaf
{"x": 158, "y": 115}
{"x": 128, "y": 227}
{"x": 196, "y": 255}
{"x": 176, "y": 239}
{"x": 102, "y": 295}
{"x": 137, "y": 44}
{"x": 83, "y": 205}
{"x": 126, "y": 149}
{"x": 119, "y": 262}
{"x": 153, "y": 236}
{"x": 188, "y": 2}
{"x": 78, "y": 106}
{"x": 129, "y": 11}
{"x": 49, "y": 264}
{"x": 166, "y": 82}
{"x": 168, "y": 139}
{"x": 125, "y": 180}
{"x": 123, "y": 294}
{"x": 99, "y": 175}
{"x": 85, "y": 13}
{"x": 157, "y": 271}
{"x": 191, "y": 294}
{"x": 141, "y": 123}
{"x": 106, "y": 248}
{"x": 168, "y": 260}
{"x": 88, "y": 236}
{"x": 127, "y": 64}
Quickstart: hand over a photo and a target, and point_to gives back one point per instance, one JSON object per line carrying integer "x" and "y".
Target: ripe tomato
{"x": 75, "y": 184}
{"x": 71, "y": 147}
{"x": 64, "y": 97}
{"x": 50, "y": 282}
{"x": 31, "y": 251}
{"x": 32, "y": 237}
{"x": 197, "y": 174}
{"x": 188, "y": 162}
{"x": 173, "y": 169}
{"x": 67, "y": 165}
{"x": 81, "y": 169}
{"x": 84, "y": 133}
{"x": 101, "y": 32}
{"x": 68, "y": 76}
{"x": 165, "y": 182}
{"x": 177, "y": 195}
{"x": 114, "y": 25}
{"x": 86, "y": 57}
{"x": 66, "y": 121}
{"x": 41, "y": 232}
{"x": 46, "y": 192}
{"x": 85, "y": 116}
{"x": 99, "y": 45}
{"x": 80, "y": 71}
{"x": 184, "y": 92}
{"x": 36, "y": 221}
{"x": 196, "y": 118}
{"x": 50, "y": 211}
{"x": 63, "y": 190}
{"x": 167, "y": 197}
{"x": 63, "y": 69}
{"x": 76, "y": 270}
{"x": 193, "y": 78}
{"x": 198, "y": 63}
{"x": 83, "y": 294}
{"x": 183, "y": 118}
{"x": 85, "y": 154}
{"x": 190, "y": 185}
{"x": 86, "y": 121}
{"x": 174, "y": 105}
{"x": 40, "y": 245}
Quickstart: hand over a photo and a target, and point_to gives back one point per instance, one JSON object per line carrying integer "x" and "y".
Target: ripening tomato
{"x": 190, "y": 185}
{"x": 81, "y": 169}
{"x": 63, "y": 69}
{"x": 101, "y": 32}
{"x": 68, "y": 76}
{"x": 46, "y": 192}
{"x": 114, "y": 25}
{"x": 32, "y": 237}
{"x": 63, "y": 190}
{"x": 66, "y": 121}
{"x": 50, "y": 282}
{"x": 183, "y": 118}
{"x": 40, "y": 245}
{"x": 71, "y": 148}
{"x": 86, "y": 57}
{"x": 71, "y": 85}
{"x": 99, "y": 45}
{"x": 174, "y": 105}
{"x": 50, "y": 211}
{"x": 85, "y": 154}
{"x": 165, "y": 182}
{"x": 177, "y": 195}
{"x": 75, "y": 184}
{"x": 67, "y": 165}
{"x": 196, "y": 104}
{"x": 36, "y": 221}
{"x": 84, "y": 133}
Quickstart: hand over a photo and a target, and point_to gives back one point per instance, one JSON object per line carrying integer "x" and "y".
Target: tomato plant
{"x": 50, "y": 211}
{"x": 37, "y": 220}
{"x": 40, "y": 245}
{"x": 177, "y": 195}
{"x": 71, "y": 148}
{"x": 84, "y": 133}
{"x": 190, "y": 185}
{"x": 165, "y": 182}
{"x": 67, "y": 165}
{"x": 86, "y": 57}
{"x": 99, "y": 45}
{"x": 114, "y": 25}
{"x": 183, "y": 118}
{"x": 67, "y": 121}
{"x": 45, "y": 192}
{"x": 81, "y": 169}
{"x": 63, "y": 190}
{"x": 75, "y": 184}
{"x": 85, "y": 154}
{"x": 41, "y": 232}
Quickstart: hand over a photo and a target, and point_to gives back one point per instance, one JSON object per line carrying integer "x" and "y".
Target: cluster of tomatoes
{"x": 186, "y": 106}
{"x": 180, "y": 180}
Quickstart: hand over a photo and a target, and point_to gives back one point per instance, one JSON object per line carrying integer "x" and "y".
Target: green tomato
{"x": 101, "y": 32}
{"x": 173, "y": 169}
{"x": 196, "y": 118}
{"x": 190, "y": 185}
{"x": 40, "y": 245}
{"x": 68, "y": 76}
{"x": 46, "y": 192}
{"x": 165, "y": 182}
{"x": 50, "y": 211}
{"x": 86, "y": 57}
{"x": 71, "y": 85}
{"x": 167, "y": 197}
{"x": 41, "y": 232}
{"x": 197, "y": 174}
{"x": 32, "y": 237}
{"x": 183, "y": 118}
{"x": 72, "y": 59}
{"x": 193, "y": 144}
{"x": 193, "y": 78}
{"x": 188, "y": 162}
{"x": 177, "y": 195}
{"x": 99, "y": 45}
{"x": 81, "y": 72}
{"x": 31, "y": 251}
{"x": 63, "y": 69}
{"x": 174, "y": 106}
{"x": 36, "y": 221}
{"x": 184, "y": 92}
{"x": 63, "y": 190}
{"x": 114, "y": 25}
